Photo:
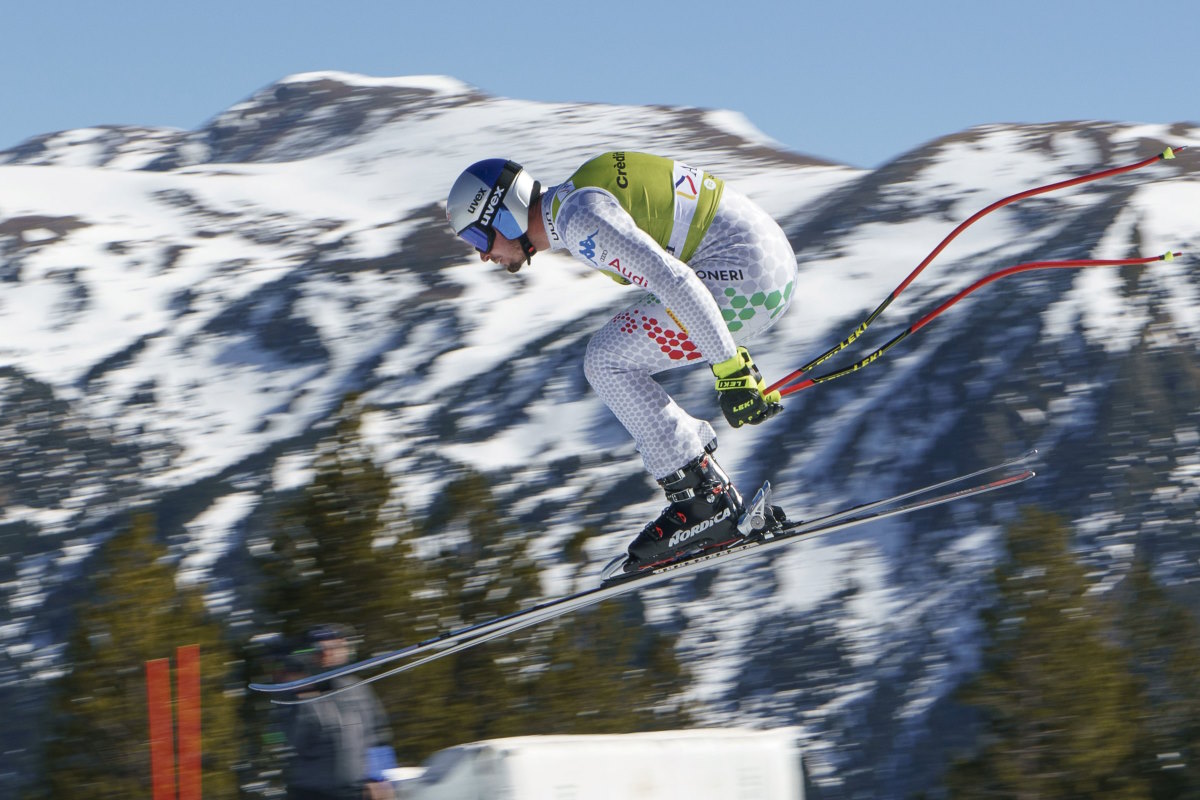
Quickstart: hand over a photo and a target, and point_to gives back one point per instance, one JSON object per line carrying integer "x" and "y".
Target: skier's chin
{"x": 513, "y": 268}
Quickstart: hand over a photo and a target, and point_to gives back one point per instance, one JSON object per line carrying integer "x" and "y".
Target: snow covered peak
{"x": 435, "y": 84}
{"x": 182, "y": 310}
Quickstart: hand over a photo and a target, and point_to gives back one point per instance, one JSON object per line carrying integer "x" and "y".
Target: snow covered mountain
{"x": 181, "y": 310}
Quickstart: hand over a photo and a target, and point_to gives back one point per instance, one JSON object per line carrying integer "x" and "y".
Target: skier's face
{"x": 505, "y": 252}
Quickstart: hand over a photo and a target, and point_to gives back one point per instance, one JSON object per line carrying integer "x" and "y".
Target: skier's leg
{"x": 704, "y": 505}
{"x": 620, "y": 359}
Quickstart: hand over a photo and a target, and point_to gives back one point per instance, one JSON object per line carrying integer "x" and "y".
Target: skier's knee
{"x": 596, "y": 364}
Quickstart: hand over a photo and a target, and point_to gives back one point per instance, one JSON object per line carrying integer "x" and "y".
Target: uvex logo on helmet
{"x": 475, "y": 203}
{"x": 493, "y": 203}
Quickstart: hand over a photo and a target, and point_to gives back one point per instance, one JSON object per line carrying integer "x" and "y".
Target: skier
{"x": 717, "y": 270}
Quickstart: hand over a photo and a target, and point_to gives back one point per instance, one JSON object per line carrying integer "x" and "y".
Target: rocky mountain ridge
{"x": 182, "y": 310}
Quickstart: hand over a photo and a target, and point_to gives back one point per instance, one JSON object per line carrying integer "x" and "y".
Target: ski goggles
{"x": 481, "y": 234}
{"x": 480, "y": 237}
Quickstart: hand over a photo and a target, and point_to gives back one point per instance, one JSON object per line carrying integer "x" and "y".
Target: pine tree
{"x": 332, "y": 561}
{"x": 606, "y": 671}
{"x": 1059, "y": 702}
{"x": 1163, "y": 640}
{"x": 98, "y": 746}
{"x": 480, "y": 569}
{"x": 328, "y": 564}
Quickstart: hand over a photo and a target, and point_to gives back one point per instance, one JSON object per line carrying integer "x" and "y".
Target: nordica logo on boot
{"x": 679, "y": 537}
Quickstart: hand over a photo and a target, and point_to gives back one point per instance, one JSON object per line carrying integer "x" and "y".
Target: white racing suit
{"x": 736, "y": 279}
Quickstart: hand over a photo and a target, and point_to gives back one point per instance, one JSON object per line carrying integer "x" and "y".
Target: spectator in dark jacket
{"x": 331, "y": 737}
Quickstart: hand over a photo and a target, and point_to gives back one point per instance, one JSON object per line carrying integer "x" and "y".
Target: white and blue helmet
{"x": 489, "y": 196}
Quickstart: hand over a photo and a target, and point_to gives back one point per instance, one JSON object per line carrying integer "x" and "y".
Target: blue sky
{"x": 856, "y": 81}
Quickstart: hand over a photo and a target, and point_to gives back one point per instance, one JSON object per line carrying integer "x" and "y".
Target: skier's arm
{"x": 599, "y": 231}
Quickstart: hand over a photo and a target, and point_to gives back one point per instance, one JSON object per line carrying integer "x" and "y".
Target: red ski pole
{"x": 1167, "y": 154}
{"x": 995, "y": 276}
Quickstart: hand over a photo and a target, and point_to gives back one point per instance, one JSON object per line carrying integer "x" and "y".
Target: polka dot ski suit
{"x": 738, "y": 279}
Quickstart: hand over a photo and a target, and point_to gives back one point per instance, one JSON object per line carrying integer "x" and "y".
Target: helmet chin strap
{"x": 527, "y": 248}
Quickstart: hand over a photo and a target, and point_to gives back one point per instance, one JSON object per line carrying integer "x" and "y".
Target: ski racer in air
{"x": 715, "y": 271}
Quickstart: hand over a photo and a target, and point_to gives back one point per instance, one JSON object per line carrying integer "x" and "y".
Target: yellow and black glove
{"x": 741, "y": 389}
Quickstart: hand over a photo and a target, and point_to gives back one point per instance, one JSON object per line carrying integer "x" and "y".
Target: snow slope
{"x": 183, "y": 309}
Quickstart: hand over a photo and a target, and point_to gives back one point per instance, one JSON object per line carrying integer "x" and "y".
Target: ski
{"x": 803, "y": 526}
{"x": 612, "y": 572}
{"x": 455, "y": 641}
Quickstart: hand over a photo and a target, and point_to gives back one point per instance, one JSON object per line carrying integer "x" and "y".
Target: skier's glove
{"x": 741, "y": 389}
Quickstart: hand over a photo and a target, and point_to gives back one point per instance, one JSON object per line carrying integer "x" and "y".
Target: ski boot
{"x": 704, "y": 513}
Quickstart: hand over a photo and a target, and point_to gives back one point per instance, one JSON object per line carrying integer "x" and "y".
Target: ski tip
{"x": 277, "y": 688}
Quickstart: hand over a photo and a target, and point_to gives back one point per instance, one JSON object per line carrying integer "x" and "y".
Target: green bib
{"x": 669, "y": 200}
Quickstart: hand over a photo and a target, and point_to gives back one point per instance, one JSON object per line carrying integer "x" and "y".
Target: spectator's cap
{"x": 327, "y": 633}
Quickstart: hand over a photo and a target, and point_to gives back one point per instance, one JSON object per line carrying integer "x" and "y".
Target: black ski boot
{"x": 704, "y": 513}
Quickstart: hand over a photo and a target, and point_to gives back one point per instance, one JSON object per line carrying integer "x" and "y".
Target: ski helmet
{"x": 489, "y": 196}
